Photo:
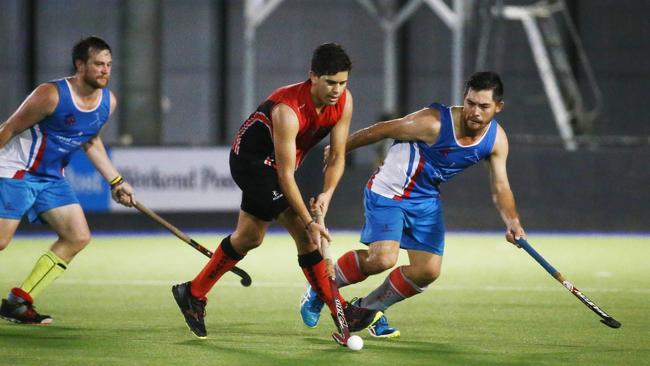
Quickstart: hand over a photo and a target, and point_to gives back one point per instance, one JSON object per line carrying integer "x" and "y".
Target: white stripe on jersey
{"x": 15, "y": 155}
{"x": 394, "y": 175}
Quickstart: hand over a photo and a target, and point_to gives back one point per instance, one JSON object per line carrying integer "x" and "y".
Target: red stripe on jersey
{"x": 39, "y": 155}
{"x": 372, "y": 178}
{"x": 19, "y": 174}
{"x": 409, "y": 188}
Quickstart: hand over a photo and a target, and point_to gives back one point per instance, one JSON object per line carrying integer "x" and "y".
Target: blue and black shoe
{"x": 381, "y": 329}
{"x": 310, "y": 307}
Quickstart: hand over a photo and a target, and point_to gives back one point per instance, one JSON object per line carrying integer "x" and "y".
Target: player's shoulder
{"x": 349, "y": 100}
{"x": 428, "y": 114}
{"x": 113, "y": 100}
{"x": 283, "y": 113}
{"x": 46, "y": 89}
{"x": 45, "y": 95}
{"x": 500, "y": 140}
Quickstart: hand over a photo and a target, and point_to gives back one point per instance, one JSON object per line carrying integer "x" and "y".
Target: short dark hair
{"x": 81, "y": 50}
{"x": 485, "y": 80}
{"x": 329, "y": 59}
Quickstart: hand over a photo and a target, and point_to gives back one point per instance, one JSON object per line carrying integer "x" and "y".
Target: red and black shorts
{"x": 262, "y": 196}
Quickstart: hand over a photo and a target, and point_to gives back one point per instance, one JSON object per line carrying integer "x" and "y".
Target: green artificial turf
{"x": 493, "y": 305}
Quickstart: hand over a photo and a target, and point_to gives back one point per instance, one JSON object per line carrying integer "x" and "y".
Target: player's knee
{"x": 79, "y": 241}
{"x": 384, "y": 261}
{"x": 428, "y": 275}
{"x": 246, "y": 241}
{"x": 4, "y": 242}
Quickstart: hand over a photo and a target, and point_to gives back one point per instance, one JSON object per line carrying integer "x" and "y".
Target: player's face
{"x": 96, "y": 72}
{"x": 327, "y": 89}
{"x": 478, "y": 109}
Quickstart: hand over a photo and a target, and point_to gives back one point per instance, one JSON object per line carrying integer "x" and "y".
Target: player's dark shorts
{"x": 261, "y": 193}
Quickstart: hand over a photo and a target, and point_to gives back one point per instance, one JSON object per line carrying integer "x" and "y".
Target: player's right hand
{"x": 123, "y": 194}
{"x": 317, "y": 232}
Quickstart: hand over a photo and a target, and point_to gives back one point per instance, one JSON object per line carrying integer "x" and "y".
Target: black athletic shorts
{"x": 261, "y": 193}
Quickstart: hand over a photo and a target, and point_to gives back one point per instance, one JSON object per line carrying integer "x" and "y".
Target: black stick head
{"x": 611, "y": 322}
{"x": 246, "y": 281}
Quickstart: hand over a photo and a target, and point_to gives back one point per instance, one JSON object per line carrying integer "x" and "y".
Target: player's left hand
{"x": 515, "y": 231}
{"x": 123, "y": 194}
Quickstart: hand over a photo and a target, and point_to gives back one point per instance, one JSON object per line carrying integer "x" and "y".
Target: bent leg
{"x": 310, "y": 258}
{"x": 7, "y": 230}
{"x": 405, "y": 281}
{"x": 71, "y": 227}
{"x": 356, "y": 265}
{"x": 247, "y": 236}
{"x": 423, "y": 268}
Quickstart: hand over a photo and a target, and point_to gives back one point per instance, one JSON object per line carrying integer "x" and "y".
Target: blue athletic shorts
{"x": 415, "y": 225}
{"x": 33, "y": 196}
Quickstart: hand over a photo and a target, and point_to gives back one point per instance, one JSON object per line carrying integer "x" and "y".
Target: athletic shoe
{"x": 22, "y": 312}
{"x": 310, "y": 307}
{"x": 381, "y": 329}
{"x": 359, "y": 318}
{"x": 193, "y": 309}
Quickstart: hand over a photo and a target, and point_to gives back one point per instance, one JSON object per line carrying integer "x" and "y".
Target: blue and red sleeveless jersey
{"x": 45, "y": 149}
{"x": 414, "y": 170}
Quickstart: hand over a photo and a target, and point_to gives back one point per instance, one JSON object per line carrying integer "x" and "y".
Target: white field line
{"x": 230, "y": 283}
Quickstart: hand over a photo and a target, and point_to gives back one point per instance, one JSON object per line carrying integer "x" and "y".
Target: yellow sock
{"x": 47, "y": 269}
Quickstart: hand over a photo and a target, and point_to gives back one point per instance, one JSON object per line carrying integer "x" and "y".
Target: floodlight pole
{"x": 255, "y": 13}
{"x": 527, "y": 16}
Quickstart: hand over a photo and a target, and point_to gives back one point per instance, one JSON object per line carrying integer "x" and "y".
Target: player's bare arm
{"x": 335, "y": 164}
{"x": 122, "y": 192}
{"x": 502, "y": 195}
{"x": 36, "y": 107}
{"x": 96, "y": 152}
{"x": 423, "y": 125}
{"x": 285, "y": 130}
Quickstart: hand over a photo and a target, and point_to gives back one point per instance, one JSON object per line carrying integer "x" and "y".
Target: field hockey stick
{"x": 245, "y": 278}
{"x": 344, "y": 332}
{"x": 606, "y": 319}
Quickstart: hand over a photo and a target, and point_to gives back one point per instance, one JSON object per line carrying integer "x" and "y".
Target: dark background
{"x": 187, "y": 57}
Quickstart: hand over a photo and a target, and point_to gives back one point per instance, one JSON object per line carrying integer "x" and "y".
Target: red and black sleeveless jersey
{"x": 255, "y": 137}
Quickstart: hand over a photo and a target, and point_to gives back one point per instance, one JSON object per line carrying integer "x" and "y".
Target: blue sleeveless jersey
{"x": 45, "y": 149}
{"x": 414, "y": 170}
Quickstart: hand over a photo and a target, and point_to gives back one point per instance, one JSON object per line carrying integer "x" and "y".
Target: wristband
{"x": 309, "y": 223}
{"x": 116, "y": 181}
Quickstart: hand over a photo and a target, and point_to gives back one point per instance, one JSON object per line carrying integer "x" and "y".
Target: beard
{"x": 96, "y": 82}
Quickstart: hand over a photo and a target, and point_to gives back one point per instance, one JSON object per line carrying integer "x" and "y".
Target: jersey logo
{"x": 69, "y": 119}
{"x": 277, "y": 195}
{"x": 96, "y": 122}
{"x": 474, "y": 158}
{"x": 444, "y": 151}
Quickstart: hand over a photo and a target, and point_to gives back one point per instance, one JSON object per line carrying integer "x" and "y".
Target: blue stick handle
{"x": 533, "y": 253}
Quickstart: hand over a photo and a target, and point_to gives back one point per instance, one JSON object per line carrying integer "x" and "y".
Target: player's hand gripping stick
{"x": 344, "y": 333}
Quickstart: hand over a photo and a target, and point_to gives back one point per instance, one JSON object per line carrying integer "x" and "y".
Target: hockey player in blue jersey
{"x": 36, "y": 142}
{"x": 402, "y": 205}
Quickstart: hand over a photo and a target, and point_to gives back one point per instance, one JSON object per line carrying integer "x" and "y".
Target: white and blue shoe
{"x": 381, "y": 329}
{"x": 310, "y": 307}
